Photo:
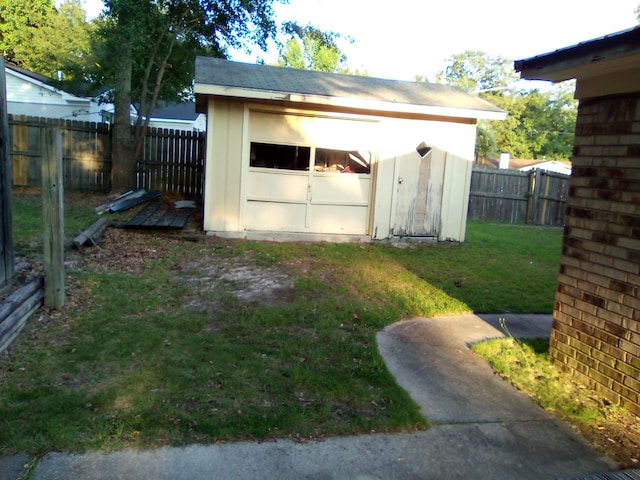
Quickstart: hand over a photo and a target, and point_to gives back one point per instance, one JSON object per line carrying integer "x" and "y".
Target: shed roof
{"x": 220, "y": 77}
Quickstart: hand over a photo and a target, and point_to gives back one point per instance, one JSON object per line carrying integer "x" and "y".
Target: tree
{"x": 20, "y": 21}
{"x": 43, "y": 39}
{"x": 311, "y": 49}
{"x": 539, "y": 124}
{"x": 474, "y": 72}
{"x": 146, "y": 51}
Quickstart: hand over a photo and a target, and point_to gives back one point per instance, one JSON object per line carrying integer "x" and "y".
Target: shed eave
{"x": 346, "y": 102}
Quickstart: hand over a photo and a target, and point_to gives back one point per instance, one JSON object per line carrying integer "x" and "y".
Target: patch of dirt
{"x": 240, "y": 277}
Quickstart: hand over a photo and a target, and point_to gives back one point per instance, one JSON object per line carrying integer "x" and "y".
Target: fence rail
{"x": 537, "y": 197}
{"x": 172, "y": 160}
{"x": 86, "y": 152}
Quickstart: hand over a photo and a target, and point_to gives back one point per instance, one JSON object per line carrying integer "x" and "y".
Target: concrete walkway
{"x": 482, "y": 428}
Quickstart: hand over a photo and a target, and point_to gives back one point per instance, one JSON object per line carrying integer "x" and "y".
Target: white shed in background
{"x": 312, "y": 155}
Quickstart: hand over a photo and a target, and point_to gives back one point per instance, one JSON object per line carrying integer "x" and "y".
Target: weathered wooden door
{"x": 418, "y": 197}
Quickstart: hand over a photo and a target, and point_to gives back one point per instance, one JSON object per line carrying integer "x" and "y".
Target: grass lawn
{"x": 169, "y": 341}
{"x": 525, "y": 363}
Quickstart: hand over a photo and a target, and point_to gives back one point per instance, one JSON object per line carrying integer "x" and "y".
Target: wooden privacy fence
{"x": 536, "y": 197}
{"x": 172, "y": 160}
{"x": 86, "y": 152}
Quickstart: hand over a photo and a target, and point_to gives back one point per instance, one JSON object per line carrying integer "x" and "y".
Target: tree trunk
{"x": 122, "y": 152}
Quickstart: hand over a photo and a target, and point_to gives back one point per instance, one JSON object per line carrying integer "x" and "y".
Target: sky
{"x": 399, "y": 39}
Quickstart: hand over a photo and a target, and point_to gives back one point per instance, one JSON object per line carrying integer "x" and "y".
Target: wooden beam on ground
{"x": 53, "y": 217}
{"x": 91, "y": 234}
{"x": 16, "y": 309}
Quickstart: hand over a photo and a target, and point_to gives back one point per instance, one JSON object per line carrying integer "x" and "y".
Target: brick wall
{"x": 596, "y": 329}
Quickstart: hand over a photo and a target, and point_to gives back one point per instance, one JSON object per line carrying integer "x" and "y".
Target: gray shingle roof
{"x": 569, "y": 62}
{"x": 266, "y": 78}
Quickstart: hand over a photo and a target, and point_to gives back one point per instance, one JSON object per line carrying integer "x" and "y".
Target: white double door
{"x": 316, "y": 198}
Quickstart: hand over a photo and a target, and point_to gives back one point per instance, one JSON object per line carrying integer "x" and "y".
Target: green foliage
{"x": 311, "y": 49}
{"x": 539, "y": 124}
{"x": 20, "y": 21}
{"x": 526, "y": 365}
{"x": 474, "y": 71}
{"x": 146, "y": 51}
{"x": 46, "y": 40}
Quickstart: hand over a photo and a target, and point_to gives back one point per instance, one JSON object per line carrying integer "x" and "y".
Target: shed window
{"x": 342, "y": 161}
{"x": 288, "y": 157}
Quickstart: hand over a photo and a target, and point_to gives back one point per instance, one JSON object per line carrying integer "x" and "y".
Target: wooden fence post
{"x": 6, "y": 237}
{"x": 533, "y": 197}
{"x": 53, "y": 217}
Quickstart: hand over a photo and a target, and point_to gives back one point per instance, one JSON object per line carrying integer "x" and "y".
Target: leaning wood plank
{"x": 19, "y": 296}
{"x": 91, "y": 234}
{"x": 18, "y": 320}
{"x": 132, "y": 202}
{"x": 23, "y": 303}
{"x": 100, "y": 209}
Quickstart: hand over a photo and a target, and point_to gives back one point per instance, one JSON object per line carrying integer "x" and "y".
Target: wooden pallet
{"x": 160, "y": 215}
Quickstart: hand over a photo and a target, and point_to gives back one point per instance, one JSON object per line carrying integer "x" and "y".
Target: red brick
{"x": 613, "y": 352}
{"x": 621, "y": 310}
{"x": 594, "y": 300}
{"x": 610, "y": 372}
{"x": 633, "y": 361}
{"x": 595, "y": 320}
{"x": 570, "y": 311}
{"x": 606, "y": 337}
{"x": 616, "y": 252}
{"x": 633, "y": 384}
{"x": 586, "y": 359}
{"x": 600, "y": 378}
{"x": 584, "y": 326}
{"x": 628, "y": 370}
{"x": 622, "y": 391}
{"x": 625, "y": 266}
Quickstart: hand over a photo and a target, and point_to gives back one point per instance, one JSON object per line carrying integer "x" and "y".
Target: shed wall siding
{"x": 233, "y": 124}
{"x": 596, "y": 330}
{"x": 223, "y": 166}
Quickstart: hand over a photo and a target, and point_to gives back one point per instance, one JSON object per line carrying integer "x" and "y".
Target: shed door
{"x": 308, "y": 174}
{"x": 419, "y": 187}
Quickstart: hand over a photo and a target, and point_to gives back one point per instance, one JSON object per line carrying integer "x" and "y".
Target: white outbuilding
{"x": 297, "y": 154}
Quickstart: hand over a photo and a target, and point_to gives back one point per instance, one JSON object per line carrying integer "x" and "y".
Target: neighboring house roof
{"x": 175, "y": 110}
{"x": 177, "y": 115}
{"x": 594, "y": 63}
{"x": 41, "y": 82}
{"x": 551, "y": 166}
{"x": 263, "y": 82}
{"x": 29, "y": 93}
{"x": 28, "y": 73}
